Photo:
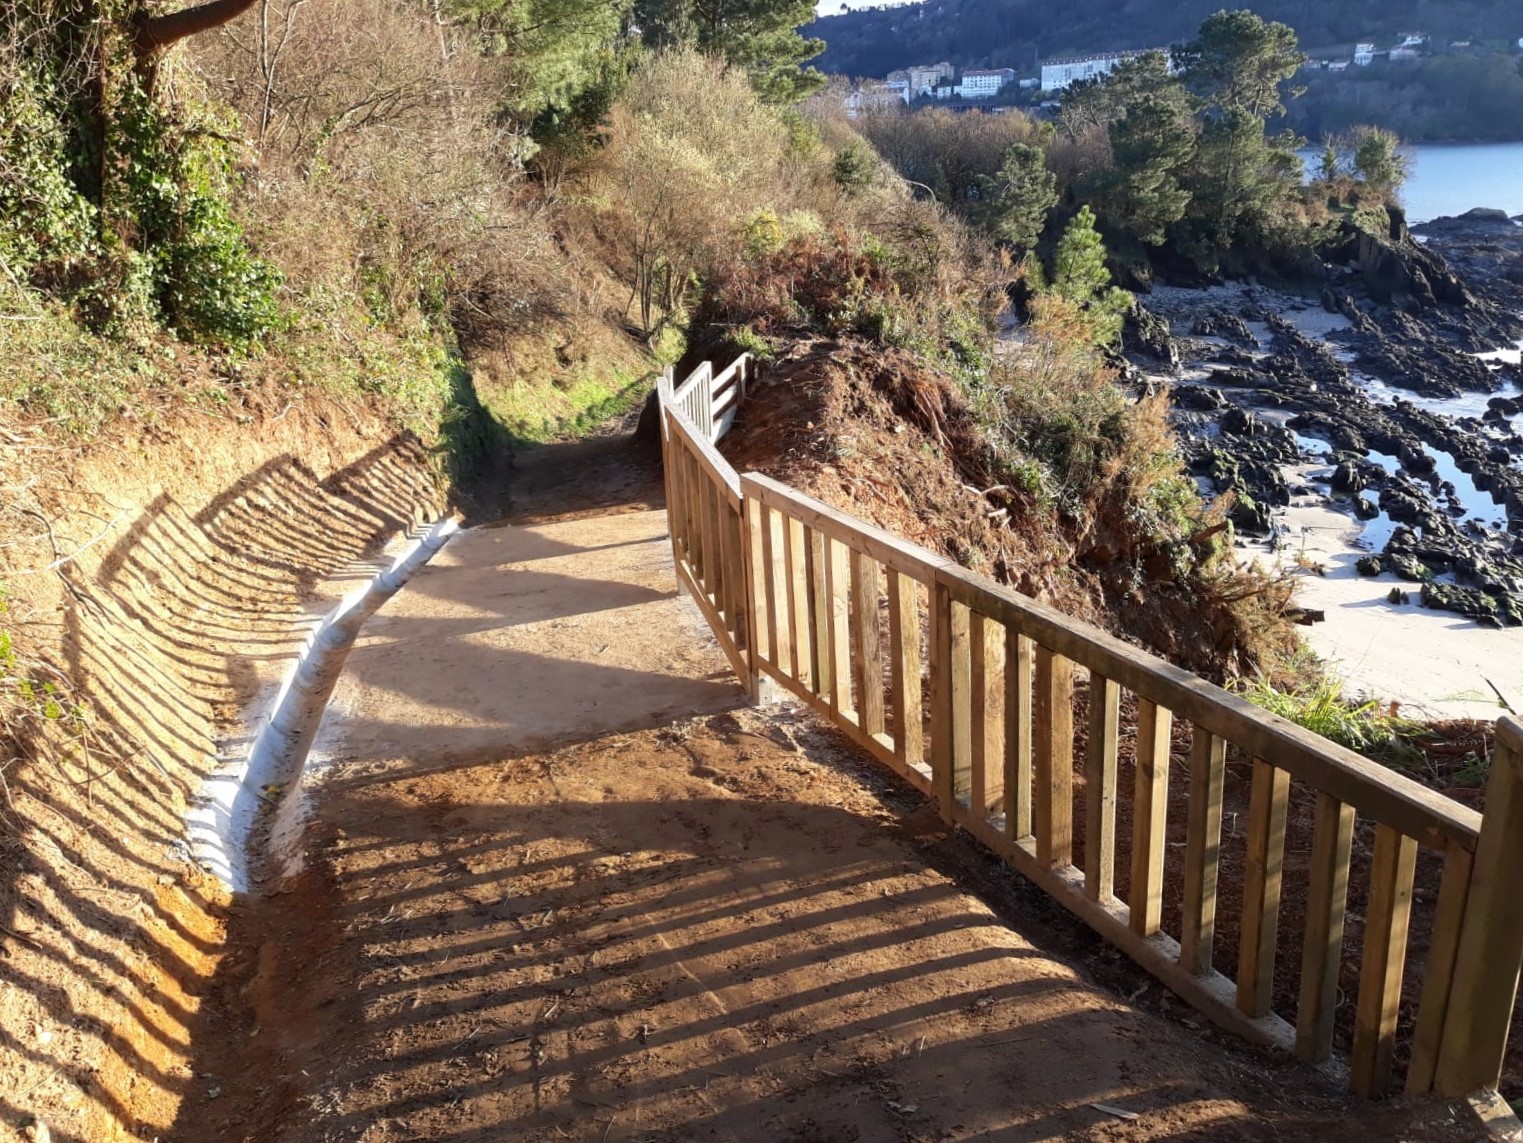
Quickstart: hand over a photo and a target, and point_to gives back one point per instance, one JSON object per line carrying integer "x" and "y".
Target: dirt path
{"x": 561, "y": 884}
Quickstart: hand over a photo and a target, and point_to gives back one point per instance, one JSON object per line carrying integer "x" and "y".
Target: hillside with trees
{"x": 1473, "y": 93}
{"x": 1012, "y": 33}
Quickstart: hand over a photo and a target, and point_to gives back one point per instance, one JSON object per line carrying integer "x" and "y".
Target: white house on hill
{"x": 923, "y": 77}
{"x": 1058, "y": 74}
{"x": 984, "y": 83}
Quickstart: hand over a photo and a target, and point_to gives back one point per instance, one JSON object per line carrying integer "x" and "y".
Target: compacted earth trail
{"x": 561, "y": 883}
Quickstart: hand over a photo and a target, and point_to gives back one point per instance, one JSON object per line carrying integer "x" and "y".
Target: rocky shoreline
{"x": 1262, "y": 369}
{"x": 1372, "y": 388}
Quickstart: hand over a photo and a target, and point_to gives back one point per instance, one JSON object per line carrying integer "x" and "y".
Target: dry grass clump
{"x": 1062, "y": 430}
{"x": 692, "y": 160}
{"x": 946, "y": 151}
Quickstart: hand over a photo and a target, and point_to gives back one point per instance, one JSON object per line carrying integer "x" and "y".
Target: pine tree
{"x": 1019, "y": 195}
{"x": 1080, "y": 276}
{"x": 761, "y": 36}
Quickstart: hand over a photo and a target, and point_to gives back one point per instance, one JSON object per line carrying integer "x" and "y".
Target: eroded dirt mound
{"x": 876, "y": 433}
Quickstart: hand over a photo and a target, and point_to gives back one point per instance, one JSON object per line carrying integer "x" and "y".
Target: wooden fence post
{"x": 1491, "y": 940}
{"x": 941, "y": 698}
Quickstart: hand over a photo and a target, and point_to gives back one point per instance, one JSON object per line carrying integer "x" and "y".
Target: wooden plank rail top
{"x": 968, "y": 690}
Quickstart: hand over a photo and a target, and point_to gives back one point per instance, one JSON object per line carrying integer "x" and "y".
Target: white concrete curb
{"x": 220, "y": 821}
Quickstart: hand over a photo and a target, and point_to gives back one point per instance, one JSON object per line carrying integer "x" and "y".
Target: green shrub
{"x": 1319, "y": 706}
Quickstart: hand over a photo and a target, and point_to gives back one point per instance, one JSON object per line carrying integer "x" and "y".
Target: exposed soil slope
{"x": 163, "y": 572}
{"x": 876, "y": 433}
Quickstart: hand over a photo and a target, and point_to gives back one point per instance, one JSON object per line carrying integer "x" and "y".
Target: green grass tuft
{"x": 1320, "y": 707}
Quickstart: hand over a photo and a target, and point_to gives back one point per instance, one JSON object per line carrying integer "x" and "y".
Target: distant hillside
{"x": 1017, "y": 33}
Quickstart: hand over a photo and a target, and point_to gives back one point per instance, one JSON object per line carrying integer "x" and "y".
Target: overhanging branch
{"x": 153, "y": 33}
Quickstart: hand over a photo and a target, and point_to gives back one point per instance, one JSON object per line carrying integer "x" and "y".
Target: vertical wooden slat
{"x": 1261, "y": 888}
{"x": 691, "y": 535}
{"x": 1100, "y": 789}
{"x": 904, "y": 661}
{"x": 839, "y": 619}
{"x": 986, "y": 653}
{"x": 1491, "y": 938}
{"x": 962, "y": 703}
{"x": 978, "y": 713}
{"x": 867, "y": 654}
{"x": 761, "y": 632}
{"x": 1332, "y": 841}
{"x": 777, "y": 639}
{"x": 729, "y": 544}
{"x": 941, "y": 698}
{"x": 799, "y": 633}
{"x": 747, "y": 629}
{"x": 1385, "y": 952}
{"x": 777, "y": 598}
{"x": 1149, "y": 816}
{"x": 819, "y": 617}
{"x": 1053, "y": 759}
{"x": 1203, "y": 842}
{"x": 1018, "y": 703}
{"x": 1438, "y": 971}
{"x": 713, "y": 558}
{"x": 699, "y": 531}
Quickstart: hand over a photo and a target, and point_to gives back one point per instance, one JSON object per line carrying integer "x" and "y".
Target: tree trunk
{"x": 153, "y": 33}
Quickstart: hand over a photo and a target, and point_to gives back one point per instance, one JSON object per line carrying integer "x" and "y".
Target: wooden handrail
{"x": 1374, "y": 790}
{"x": 863, "y": 626}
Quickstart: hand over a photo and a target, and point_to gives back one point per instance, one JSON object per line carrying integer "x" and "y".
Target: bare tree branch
{"x": 155, "y": 32}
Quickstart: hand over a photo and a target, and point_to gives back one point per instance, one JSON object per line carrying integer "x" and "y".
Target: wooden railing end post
{"x": 1491, "y": 940}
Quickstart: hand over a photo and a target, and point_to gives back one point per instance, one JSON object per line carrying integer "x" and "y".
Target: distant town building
{"x": 984, "y": 83}
{"x": 1030, "y": 84}
{"x": 1338, "y": 65}
{"x": 1058, "y": 74}
{"x": 870, "y": 96}
{"x": 1405, "y": 53}
{"x": 1414, "y": 40}
{"x": 1364, "y": 55}
{"x": 924, "y": 77}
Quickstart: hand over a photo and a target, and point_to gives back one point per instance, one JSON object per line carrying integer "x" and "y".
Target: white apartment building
{"x": 1058, "y": 74}
{"x": 1364, "y": 55}
{"x": 923, "y": 77}
{"x": 984, "y": 83}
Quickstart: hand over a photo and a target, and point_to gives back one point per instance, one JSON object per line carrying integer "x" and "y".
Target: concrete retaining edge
{"x": 222, "y": 820}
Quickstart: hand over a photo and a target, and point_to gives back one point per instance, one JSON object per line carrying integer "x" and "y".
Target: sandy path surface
{"x": 561, "y": 884}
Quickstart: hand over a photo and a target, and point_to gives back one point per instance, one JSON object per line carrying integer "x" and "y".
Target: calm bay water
{"x": 1450, "y": 179}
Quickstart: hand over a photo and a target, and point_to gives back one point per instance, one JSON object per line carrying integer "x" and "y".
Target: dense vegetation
{"x": 1452, "y": 97}
{"x": 1188, "y": 168}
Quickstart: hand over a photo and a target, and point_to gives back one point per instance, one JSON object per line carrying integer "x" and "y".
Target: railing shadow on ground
{"x": 968, "y": 691}
{"x": 110, "y": 941}
{"x": 686, "y": 967}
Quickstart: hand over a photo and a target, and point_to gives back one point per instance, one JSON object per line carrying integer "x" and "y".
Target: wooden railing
{"x": 703, "y": 502}
{"x": 968, "y": 690}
